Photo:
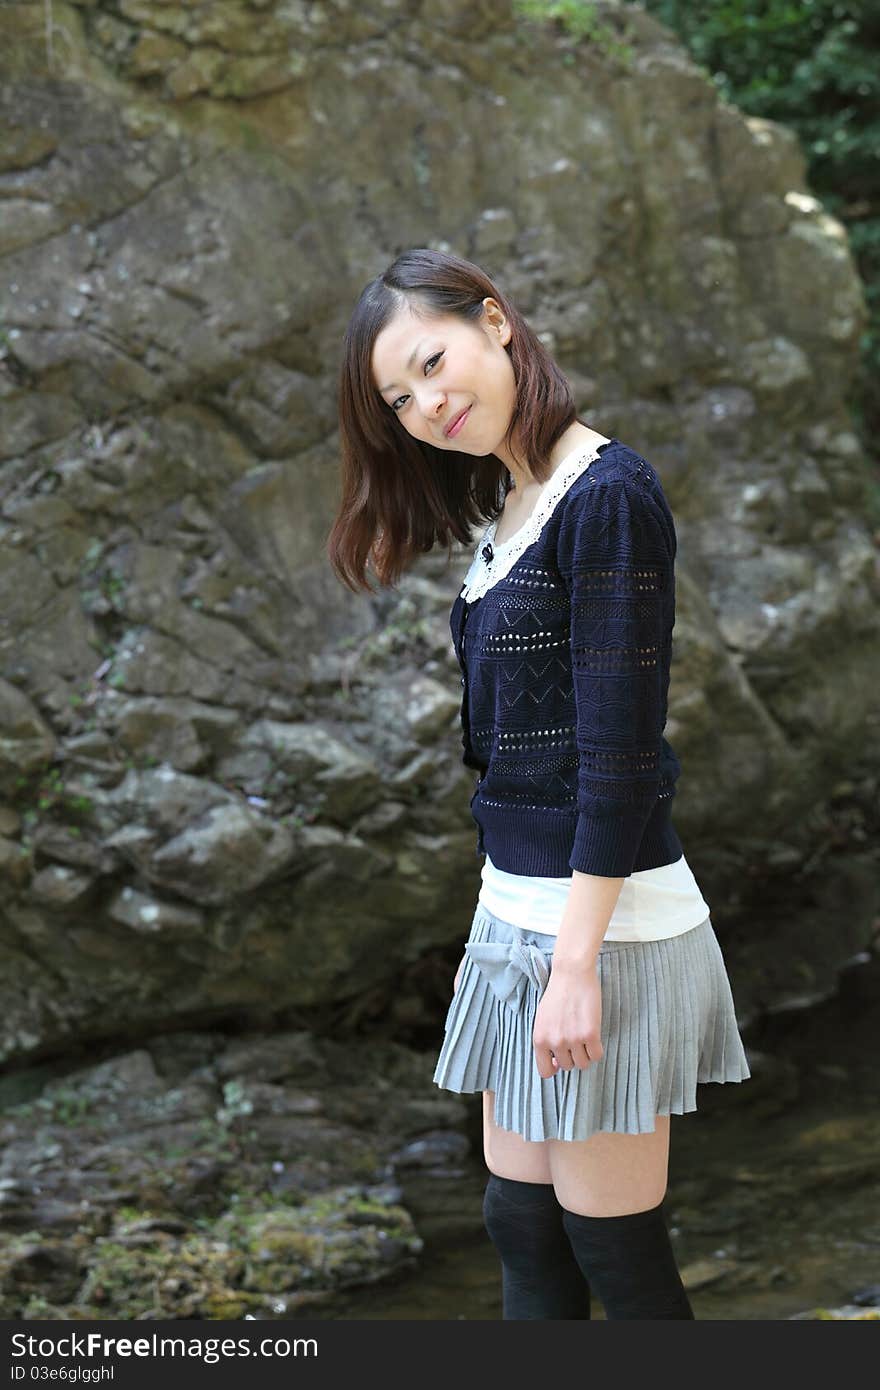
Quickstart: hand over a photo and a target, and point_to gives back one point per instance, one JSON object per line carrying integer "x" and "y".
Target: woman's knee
{"x": 611, "y": 1174}
{"x": 508, "y": 1154}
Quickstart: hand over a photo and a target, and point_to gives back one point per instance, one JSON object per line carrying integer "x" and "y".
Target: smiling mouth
{"x": 457, "y": 423}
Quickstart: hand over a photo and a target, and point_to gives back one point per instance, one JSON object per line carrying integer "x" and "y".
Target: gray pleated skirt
{"x": 668, "y": 1022}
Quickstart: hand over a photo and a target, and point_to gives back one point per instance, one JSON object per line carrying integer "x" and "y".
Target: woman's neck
{"x": 570, "y": 439}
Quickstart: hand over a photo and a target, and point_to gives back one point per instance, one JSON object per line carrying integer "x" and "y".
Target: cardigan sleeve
{"x": 616, "y": 554}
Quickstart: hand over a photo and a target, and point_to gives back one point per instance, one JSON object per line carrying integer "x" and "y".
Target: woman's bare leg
{"x": 540, "y": 1275}
{"x": 508, "y": 1154}
{"x": 610, "y": 1174}
{"x": 611, "y": 1188}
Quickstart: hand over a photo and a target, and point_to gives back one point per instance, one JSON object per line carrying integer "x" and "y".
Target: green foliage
{"x": 580, "y": 20}
{"x": 66, "y": 1106}
{"x": 43, "y": 793}
{"x": 811, "y": 66}
{"x": 236, "y": 1102}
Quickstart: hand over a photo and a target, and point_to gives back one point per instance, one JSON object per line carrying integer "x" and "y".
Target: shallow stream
{"x": 773, "y": 1198}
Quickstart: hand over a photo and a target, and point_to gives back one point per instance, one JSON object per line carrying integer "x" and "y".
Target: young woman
{"x": 592, "y": 996}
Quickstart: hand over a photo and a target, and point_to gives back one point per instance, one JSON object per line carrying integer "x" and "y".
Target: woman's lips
{"x": 458, "y": 424}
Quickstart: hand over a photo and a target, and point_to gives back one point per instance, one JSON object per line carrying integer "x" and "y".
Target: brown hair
{"x": 401, "y": 496}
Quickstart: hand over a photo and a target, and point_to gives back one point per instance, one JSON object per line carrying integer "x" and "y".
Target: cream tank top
{"x": 653, "y": 904}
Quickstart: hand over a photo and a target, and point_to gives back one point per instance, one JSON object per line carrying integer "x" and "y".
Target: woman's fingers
{"x": 579, "y": 1055}
{"x": 551, "y": 1060}
{"x": 568, "y": 1024}
{"x": 544, "y": 1060}
{"x": 574, "y": 1056}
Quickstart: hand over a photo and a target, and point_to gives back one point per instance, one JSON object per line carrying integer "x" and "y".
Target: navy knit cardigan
{"x": 565, "y": 672}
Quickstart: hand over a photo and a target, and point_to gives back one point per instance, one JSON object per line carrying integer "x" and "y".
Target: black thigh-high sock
{"x": 630, "y": 1263}
{"x": 540, "y": 1277}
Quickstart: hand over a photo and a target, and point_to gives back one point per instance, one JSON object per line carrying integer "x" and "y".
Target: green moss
{"x": 580, "y": 20}
{"x": 180, "y": 1278}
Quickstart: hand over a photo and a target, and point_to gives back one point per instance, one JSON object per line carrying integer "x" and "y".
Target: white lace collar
{"x": 483, "y": 574}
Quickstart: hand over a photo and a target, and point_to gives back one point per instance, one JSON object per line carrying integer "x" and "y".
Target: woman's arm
{"x": 616, "y": 556}
{"x": 588, "y": 909}
{"x": 568, "y": 1020}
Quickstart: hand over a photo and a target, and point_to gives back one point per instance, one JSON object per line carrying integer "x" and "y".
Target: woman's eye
{"x": 434, "y": 358}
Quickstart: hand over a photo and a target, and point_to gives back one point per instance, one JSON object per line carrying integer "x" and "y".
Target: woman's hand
{"x": 568, "y": 1020}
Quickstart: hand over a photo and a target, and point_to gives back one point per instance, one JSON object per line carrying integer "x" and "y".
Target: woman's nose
{"x": 431, "y": 404}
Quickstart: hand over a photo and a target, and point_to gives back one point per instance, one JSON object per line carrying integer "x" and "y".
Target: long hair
{"x": 400, "y": 496}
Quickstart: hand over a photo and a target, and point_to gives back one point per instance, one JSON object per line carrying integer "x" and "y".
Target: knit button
{"x": 462, "y": 680}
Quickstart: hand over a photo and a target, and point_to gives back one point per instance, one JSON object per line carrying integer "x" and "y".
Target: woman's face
{"x": 428, "y": 370}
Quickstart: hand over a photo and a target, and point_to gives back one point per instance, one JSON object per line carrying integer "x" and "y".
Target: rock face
{"x": 227, "y": 787}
